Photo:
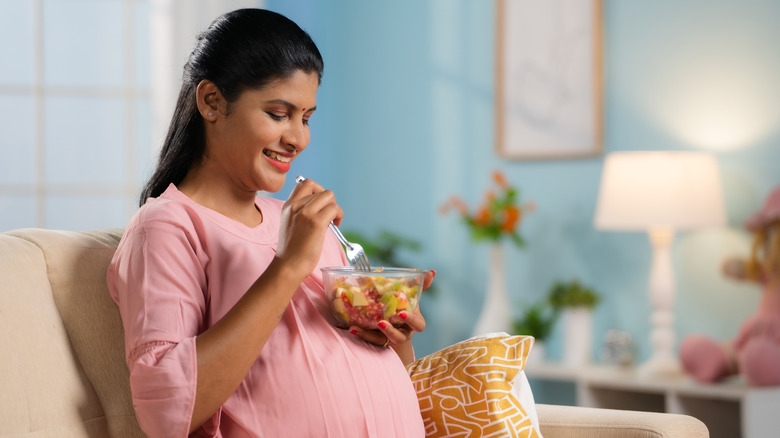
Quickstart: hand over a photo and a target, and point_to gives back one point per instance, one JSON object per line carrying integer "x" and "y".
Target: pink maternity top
{"x": 179, "y": 268}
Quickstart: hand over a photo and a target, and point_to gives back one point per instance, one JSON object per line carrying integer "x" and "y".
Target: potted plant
{"x": 568, "y": 294}
{"x": 575, "y": 302}
{"x": 537, "y": 320}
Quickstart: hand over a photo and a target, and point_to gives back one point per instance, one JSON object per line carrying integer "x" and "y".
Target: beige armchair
{"x": 62, "y": 369}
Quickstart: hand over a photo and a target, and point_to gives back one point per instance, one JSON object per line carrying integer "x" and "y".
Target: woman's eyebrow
{"x": 289, "y": 105}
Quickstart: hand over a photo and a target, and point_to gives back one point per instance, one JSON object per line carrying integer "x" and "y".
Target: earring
{"x": 210, "y": 114}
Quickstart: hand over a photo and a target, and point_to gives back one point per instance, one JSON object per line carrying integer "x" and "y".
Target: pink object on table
{"x": 755, "y": 352}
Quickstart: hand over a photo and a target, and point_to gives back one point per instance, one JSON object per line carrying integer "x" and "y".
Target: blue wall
{"x": 406, "y": 111}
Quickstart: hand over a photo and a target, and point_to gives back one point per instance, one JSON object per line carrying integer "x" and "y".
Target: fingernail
{"x": 353, "y": 331}
{"x": 382, "y": 325}
{"x": 403, "y": 315}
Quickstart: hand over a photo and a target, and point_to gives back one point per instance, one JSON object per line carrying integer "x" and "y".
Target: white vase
{"x": 577, "y": 335}
{"x": 496, "y": 311}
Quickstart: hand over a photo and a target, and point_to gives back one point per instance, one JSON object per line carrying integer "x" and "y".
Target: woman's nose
{"x": 295, "y": 135}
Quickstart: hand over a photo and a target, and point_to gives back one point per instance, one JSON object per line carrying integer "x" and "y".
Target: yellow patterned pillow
{"x": 469, "y": 389}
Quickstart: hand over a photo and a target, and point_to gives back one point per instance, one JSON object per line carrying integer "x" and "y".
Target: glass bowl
{"x": 363, "y": 298}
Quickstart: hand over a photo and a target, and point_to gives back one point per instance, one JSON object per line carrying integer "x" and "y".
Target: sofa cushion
{"x": 76, "y": 264}
{"x": 477, "y": 388}
{"x": 44, "y": 391}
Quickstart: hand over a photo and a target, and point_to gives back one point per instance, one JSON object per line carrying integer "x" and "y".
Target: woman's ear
{"x": 208, "y": 98}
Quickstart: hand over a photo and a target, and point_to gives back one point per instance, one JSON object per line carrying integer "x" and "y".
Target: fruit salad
{"x": 365, "y": 300}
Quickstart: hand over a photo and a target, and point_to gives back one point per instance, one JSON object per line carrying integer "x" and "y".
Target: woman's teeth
{"x": 277, "y": 157}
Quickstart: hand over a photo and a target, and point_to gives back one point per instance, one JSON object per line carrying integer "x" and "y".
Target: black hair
{"x": 243, "y": 49}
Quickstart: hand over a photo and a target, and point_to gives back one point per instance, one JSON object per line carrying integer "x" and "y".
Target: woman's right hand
{"x": 305, "y": 218}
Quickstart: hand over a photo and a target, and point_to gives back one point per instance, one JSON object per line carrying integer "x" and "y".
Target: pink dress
{"x": 179, "y": 268}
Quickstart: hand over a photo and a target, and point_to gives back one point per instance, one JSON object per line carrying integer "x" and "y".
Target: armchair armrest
{"x": 581, "y": 422}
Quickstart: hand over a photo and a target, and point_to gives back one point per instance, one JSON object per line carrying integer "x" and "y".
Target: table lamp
{"x": 660, "y": 192}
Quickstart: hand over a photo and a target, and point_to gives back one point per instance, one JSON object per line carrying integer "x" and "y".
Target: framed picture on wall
{"x": 548, "y": 79}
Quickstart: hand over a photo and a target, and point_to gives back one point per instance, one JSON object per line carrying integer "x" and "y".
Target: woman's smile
{"x": 279, "y": 160}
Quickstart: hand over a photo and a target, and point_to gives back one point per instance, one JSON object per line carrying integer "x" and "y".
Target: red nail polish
{"x": 403, "y": 315}
{"x": 382, "y": 325}
{"x": 353, "y": 331}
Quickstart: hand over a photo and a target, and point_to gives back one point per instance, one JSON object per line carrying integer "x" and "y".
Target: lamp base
{"x": 660, "y": 366}
{"x": 662, "y": 360}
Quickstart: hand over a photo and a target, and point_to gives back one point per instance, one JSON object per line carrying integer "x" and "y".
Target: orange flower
{"x": 483, "y": 216}
{"x": 454, "y": 203}
{"x": 511, "y": 218}
{"x": 498, "y": 216}
{"x": 461, "y": 206}
{"x": 499, "y": 178}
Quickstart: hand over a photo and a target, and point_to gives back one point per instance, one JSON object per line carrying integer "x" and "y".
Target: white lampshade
{"x": 660, "y": 192}
{"x": 644, "y": 190}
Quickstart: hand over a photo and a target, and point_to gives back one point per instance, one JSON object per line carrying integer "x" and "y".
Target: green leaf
{"x": 537, "y": 320}
{"x": 572, "y": 294}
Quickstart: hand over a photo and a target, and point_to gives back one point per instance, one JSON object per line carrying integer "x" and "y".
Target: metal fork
{"x": 355, "y": 254}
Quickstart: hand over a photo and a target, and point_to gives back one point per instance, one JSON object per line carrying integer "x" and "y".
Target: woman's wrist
{"x": 405, "y": 351}
{"x": 287, "y": 272}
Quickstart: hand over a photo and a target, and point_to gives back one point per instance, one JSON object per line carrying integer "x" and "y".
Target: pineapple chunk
{"x": 340, "y": 308}
{"x": 338, "y": 305}
{"x": 358, "y": 299}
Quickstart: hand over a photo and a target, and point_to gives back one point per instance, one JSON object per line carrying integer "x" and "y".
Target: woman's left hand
{"x": 389, "y": 336}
